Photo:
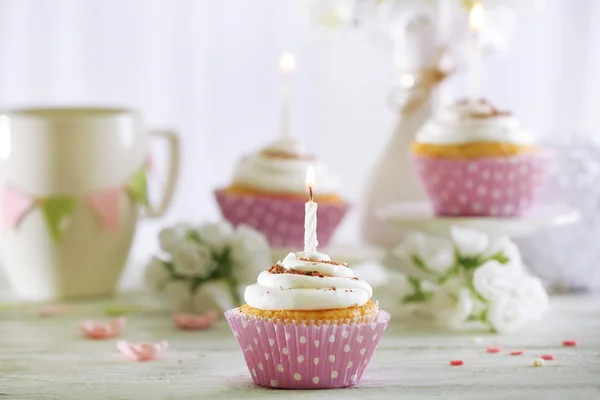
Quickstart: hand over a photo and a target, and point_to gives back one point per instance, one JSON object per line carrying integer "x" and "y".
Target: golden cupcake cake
{"x": 268, "y": 192}
{"x": 476, "y": 160}
{"x": 308, "y": 323}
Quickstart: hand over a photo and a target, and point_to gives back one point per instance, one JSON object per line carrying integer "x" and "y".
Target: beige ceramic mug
{"x": 72, "y": 181}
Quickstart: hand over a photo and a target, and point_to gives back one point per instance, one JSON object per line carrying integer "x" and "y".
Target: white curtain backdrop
{"x": 209, "y": 69}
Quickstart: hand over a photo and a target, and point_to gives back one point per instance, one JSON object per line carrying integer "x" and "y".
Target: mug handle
{"x": 169, "y": 188}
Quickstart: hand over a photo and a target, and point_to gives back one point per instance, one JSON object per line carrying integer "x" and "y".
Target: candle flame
{"x": 477, "y": 17}
{"x": 287, "y": 62}
{"x": 310, "y": 177}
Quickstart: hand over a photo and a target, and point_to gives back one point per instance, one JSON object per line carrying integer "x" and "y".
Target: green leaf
{"x": 418, "y": 263}
{"x": 500, "y": 257}
{"x": 415, "y": 283}
{"x": 417, "y": 297}
{"x": 117, "y": 310}
{"x": 469, "y": 263}
{"x": 57, "y": 213}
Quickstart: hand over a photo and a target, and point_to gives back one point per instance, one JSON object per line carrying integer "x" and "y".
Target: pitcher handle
{"x": 173, "y": 172}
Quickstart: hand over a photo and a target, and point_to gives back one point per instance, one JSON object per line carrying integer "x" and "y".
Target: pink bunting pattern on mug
{"x": 105, "y": 205}
{"x": 15, "y": 205}
{"x": 57, "y": 210}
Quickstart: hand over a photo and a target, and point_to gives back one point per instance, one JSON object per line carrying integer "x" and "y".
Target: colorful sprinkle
{"x": 516, "y": 353}
{"x": 538, "y": 362}
{"x": 456, "y": 363}
{"x": 493, "y": 349}
{"x": 569, "y": 343}
{"x": 547, "y": 357}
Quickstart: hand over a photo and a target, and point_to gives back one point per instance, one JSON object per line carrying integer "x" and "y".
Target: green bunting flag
{"x": 57, "y": 213}
{"x": 138, "y": 188}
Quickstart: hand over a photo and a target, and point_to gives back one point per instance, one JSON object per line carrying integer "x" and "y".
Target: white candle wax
{"x": 310, "y": 215}
{"x": 310, "y": 227}
{"x": 476, "y": 19}
{"x": 287, "y": 64}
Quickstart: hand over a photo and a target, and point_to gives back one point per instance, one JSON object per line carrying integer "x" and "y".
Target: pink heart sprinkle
{"x": 142, "y": 351}
{"x": 102, "y": 330}
{"x": 195, "y": 321}
{"x": 493, "y": 349}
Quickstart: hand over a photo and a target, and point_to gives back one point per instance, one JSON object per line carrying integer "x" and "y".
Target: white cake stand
{"x": 420, "y": 216}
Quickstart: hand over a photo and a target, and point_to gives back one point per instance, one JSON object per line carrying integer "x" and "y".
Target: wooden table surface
{"x": 47, "y": 358}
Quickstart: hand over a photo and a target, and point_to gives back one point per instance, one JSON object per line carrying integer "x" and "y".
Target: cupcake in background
{"x": 309, "y": 323}
{"x": 268, "y": 193}
{"x": 474, "y": 160}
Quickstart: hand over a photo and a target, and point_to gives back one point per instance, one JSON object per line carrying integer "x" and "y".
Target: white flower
{"x": 214, "y": 295}
{"x": 216, "y": 235}
{"x": 493, "y": 280}
{"x": 507, "y": 315}
{"x": 436, "y": 254}
{"x": 250, "y": 254}
{"x": 179, "y": 294}
{"x": 193, "y": 260}
{"x": 170, "y": 238}
{"x": 469, "y": 242}
{"x": 451, "y": 306}
{"x": 526, "y": 301}
{"x": 508, "y": 249}
{"x": 157, "y": 274}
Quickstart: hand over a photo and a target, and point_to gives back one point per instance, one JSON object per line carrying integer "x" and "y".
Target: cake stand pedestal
{"x": 420, "y": 216}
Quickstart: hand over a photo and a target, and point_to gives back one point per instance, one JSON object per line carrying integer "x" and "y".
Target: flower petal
{"x": 194, "y": 321}
{"x": 469, "y": 242}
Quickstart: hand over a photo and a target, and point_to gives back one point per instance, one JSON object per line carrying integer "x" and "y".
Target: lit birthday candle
{"x": 310, "y": 215}
{"x": 287, "y": 63}
{"x": 476, "y": 20}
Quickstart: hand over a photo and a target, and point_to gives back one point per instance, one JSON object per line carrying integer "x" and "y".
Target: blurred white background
{"x": 209, "y": 69}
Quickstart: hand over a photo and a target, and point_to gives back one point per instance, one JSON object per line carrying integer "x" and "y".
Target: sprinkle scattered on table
{"x": 493, "y": 349}
{"x": 547, "y": 357}
{"x": 456, "y": 363}
{"x": 516, "y": 353}
{"x": 120, "y": 310}
{"x": 569, "y": 343}
{"x": 538, "y": 362}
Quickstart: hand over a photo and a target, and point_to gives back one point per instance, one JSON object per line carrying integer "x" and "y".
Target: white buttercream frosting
{"x": 468, "y": 122}
{"x": 281, "y": 168}
{"x": 333, "y": 286}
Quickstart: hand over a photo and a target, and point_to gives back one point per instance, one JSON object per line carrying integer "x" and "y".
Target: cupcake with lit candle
{"x": 268, "y": 187}
{"x": 475, "y": 160}
{"x": 308, "y": 322}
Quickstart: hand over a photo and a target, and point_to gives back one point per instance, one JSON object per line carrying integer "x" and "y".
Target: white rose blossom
{"x": 170, "y": 238}
{"x": 217, "y": 235}
{"x": 179, "y": 294}
{"x": 214, "y": 294}
{"x": 193, "y": 260}
{"x": 452, "y": 305}
{"x": 157, "y": 274}
{"x": 506, "y": 248}
{"x": 469, "y": 242}
{"x": 436, "y": 253}
{"x": 250, "y": 254}
{"x": 493, "y": 280}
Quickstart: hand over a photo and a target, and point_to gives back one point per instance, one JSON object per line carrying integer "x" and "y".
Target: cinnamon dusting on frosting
{"x": 270, "y": 153}
{"x": 321, "y": 261}
{"x": 493, "y": 111}
{"x": 278, "y": 269}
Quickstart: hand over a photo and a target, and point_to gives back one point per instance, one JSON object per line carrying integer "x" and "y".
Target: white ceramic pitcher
{"x": 74, "y": 152}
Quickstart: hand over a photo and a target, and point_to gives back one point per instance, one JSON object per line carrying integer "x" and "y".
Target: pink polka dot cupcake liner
{"x": 503, "y": 186}
{"x": 290, "y": 356}
{"x": 280, "y": 220}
